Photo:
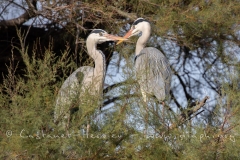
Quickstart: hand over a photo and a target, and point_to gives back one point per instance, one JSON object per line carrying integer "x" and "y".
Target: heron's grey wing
{"x": 69, "y": 91}
{"x": 153, "y": 72}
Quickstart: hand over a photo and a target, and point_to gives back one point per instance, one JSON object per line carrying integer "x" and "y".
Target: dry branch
{"x": 19, "y": 20}
{"x": 185, "y": 116}
{"x": 131, "y": 16}
{"x": 29, "y": 13}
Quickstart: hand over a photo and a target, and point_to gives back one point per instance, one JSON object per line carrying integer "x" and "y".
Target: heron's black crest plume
{"x": 139, "y": 20}
{"x": 98, "y": 31}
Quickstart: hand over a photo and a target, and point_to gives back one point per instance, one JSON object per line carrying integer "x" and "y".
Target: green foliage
{"x": 28, "y": 131}
{"x": 28, "y": 102}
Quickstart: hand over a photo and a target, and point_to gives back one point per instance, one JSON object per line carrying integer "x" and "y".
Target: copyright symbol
{"x": 9, "y": 133}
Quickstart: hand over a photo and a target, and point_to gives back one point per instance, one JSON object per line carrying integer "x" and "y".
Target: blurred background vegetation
{"x": 38, "y": 52}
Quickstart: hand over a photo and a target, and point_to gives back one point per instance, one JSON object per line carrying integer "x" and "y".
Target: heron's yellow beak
{"x": 115, "y": 38}
{"x": 128, "y": 34}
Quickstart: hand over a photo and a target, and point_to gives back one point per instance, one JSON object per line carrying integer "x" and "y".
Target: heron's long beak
{"x": 128, "y": 34}
{"x": 115, "y": 38}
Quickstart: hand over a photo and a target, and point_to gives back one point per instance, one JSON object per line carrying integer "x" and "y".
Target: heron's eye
{"x": 100, "y": 34}
{"x": 133, "y": 26}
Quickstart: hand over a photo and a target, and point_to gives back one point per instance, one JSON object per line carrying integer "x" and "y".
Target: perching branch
{"x": 187, "y": 115}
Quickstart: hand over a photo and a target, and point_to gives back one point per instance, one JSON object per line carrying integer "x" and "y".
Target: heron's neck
{"x": 99, "y": 69}
{"x": 141, "y": 43}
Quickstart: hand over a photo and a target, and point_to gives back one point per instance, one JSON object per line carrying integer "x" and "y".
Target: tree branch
{"x": 113, "y": 99}
{"x": 29, "y": 13}
{"x": 175, "y": 100}
{"x": 110, "y": 87}
{"x": 183, "y": 117}
{"x": 16, "y": 21}
{"x": 131, "y": 16}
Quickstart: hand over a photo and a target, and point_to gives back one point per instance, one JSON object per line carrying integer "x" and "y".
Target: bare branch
{"x": 5, "y": 8}
{"x": 17, "y": 21}
{"x": 186, "y": 116}
{"x": 113, "y": 99}
{"x": 131, "y": 16}
{"x": 29, "y": 13}
{"x": 117, "y": 85}
{"x": 175, "y": 100}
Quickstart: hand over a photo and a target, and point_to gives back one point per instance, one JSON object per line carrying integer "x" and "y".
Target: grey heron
{"x": 83, "y": 79}
{"x": 152, "y": 68}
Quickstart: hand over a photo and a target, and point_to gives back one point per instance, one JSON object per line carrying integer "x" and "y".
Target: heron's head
{"x": 99, "y": 36}
{"x": 139, "y": 25}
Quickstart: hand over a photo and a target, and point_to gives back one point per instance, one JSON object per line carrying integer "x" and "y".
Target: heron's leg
{"x": 163, "y": 111}
{"x": 89, "y": 117}
{"x": 88, "y": 127}
{"x": 144, "y": 95}
{"x": 146, "y": 109}
{"x": 63, "y": 122}
{"x": 146, "y": 121}
{"x": 88, "y": 124}
{"x": 68, "y": 123}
